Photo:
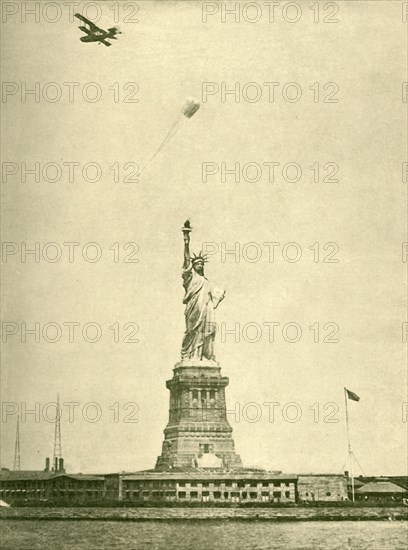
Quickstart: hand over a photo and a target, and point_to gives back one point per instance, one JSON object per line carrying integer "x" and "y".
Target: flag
{"x": 351, "y": 395}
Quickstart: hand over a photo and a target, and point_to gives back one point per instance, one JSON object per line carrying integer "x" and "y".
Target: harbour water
{"x": 197, "y": 534}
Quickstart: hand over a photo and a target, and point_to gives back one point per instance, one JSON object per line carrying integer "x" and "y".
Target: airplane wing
{"x": 92, "y": 26}
{"x": 105, "y": 42}
{"x": 85, "y": 29}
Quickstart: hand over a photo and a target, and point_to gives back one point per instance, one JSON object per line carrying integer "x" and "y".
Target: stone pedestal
{"x": 198, "y": 433}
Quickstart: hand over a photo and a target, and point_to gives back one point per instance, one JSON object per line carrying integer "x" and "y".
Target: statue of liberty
{"x": 200, "y": 300}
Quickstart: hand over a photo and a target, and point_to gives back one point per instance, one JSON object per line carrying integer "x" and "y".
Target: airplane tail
{"x": 113, "y": 31}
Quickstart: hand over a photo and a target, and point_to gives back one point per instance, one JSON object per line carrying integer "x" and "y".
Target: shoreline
{"x": 209, "y": 514}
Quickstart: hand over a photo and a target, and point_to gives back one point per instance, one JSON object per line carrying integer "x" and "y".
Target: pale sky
{"x": 169, "y": 54}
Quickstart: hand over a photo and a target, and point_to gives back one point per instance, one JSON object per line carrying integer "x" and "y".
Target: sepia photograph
{"x": 204, "y": 275}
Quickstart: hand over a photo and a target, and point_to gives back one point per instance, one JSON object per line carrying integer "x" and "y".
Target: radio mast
{"x": 17, "y": 447}
{"x": 57, "y": 436}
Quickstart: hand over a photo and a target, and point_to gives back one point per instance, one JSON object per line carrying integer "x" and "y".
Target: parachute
{"x": 188, "y": 110}
{"x": 190, "y": 107}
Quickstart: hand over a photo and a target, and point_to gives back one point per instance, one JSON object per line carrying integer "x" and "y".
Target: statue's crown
{"x": 199, "y": 258}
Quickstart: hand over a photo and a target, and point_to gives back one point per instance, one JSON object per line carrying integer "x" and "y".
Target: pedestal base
{"x": 198, "y": 424}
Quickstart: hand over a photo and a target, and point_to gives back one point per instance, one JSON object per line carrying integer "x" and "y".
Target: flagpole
{"x": 349, "y": 446}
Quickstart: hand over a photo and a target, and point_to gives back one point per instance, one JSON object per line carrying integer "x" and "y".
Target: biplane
{"x": 94, "y": 33}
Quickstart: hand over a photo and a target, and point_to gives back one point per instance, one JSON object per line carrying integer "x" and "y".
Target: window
{"x": 287, "y": 494}
{"x": 244, "y": 495}
{"x": 307, "y": 494}
{"x": 276, "y": 494}
{"x": 205, "y": 484}
{"x": 328, "y": 493}
{"x": 254, "y": 484}
{"x": 193, "y": 484}
{"x": 182, "y": 494}
{"x": 206, "y": 494}
{"x": 226, "y": 495}
{"x": 182, "y": 484}
{"x": 206, "y": 448}
{"x": 264, "y": 494}
{"x": 195, "y": 394}
{"x": 217, "y": 494}
{"x": 194, "y": 494}
{"x": 265, "y": 484}
{"x": 212, "y": 394}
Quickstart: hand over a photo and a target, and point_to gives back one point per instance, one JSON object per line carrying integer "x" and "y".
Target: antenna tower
{"x": 57, "y": 433}
{"x": 17, "y": 447}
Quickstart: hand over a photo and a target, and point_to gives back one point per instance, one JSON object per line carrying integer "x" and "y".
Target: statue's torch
{"x": 186, "y": 231}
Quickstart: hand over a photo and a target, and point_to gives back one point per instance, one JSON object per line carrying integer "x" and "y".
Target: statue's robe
{"x": 198, "y": 341}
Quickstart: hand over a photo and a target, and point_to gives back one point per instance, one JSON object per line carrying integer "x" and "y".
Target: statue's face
{"x": 199, "y": 267}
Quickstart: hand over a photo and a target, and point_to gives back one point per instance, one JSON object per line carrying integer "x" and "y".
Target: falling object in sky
{"x": 190, "y": 107}
{"x": 188, "y": 110}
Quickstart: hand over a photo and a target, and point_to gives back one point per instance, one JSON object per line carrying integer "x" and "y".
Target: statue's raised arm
{"x": 186, "y": 234}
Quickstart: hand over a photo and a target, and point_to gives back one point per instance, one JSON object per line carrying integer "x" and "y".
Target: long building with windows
{"x": 217, "y": 487}
{"x": 25, "y": 487}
